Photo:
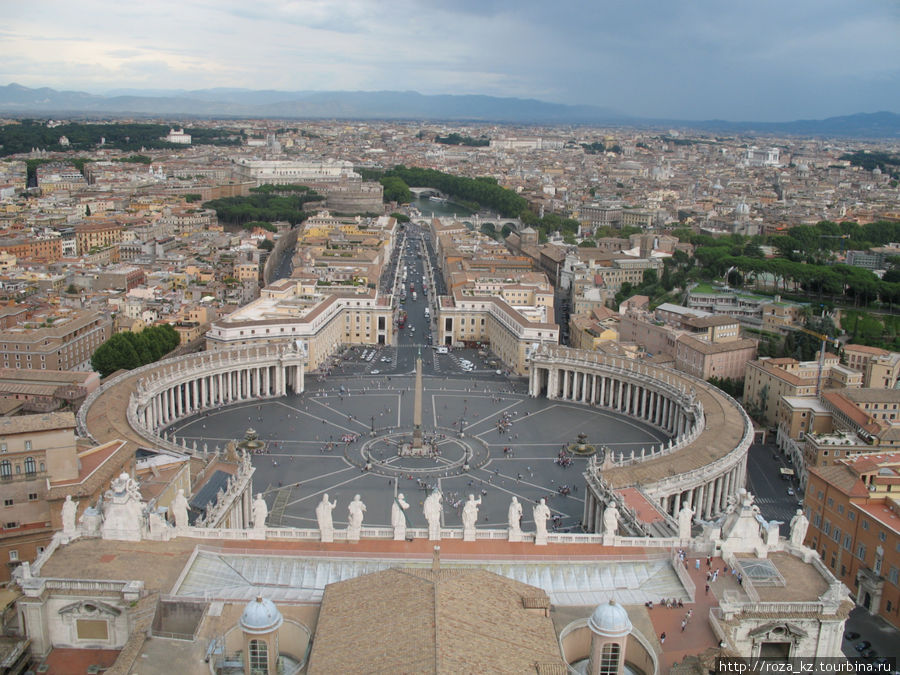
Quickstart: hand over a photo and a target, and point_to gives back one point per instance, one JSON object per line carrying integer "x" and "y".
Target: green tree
{"x": 396, "y": 190}
{"x": 266, "y": 244}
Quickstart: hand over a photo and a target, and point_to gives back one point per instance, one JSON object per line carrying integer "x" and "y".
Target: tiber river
{"x": 440, "y": 209}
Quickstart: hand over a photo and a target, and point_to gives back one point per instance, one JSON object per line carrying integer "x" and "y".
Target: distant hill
{"x": 400, "y": 105}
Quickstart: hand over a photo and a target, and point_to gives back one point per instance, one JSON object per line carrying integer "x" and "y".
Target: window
{"x": 7, "y": 502}
{"x": 840, "y": 508}
{"x": 32, "y": 496}
{"x": 30, "y": 466}
{"x": 27, "y": 446}
{"x": 837, "y": 534}
{"x": 827, "y": 528}
{"x": 894, "y": 575}
{"x": 259, "y": 657}
{"x": 861, "y": 552}
{"x": 852, "y": 515}
{"x": 5, "y": 470}
{"x": 2, "y": 447}
{"x": 882, "y": 536}
{"x": 13, "y": 555}
{"x": 848, "y": 541}
{"x": 609, "y": 659}
{"x": 830, "y": 499}
{"x": 865, "y": 524}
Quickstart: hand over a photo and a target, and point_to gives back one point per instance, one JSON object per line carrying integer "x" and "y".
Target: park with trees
{"x": 127, "y": 350}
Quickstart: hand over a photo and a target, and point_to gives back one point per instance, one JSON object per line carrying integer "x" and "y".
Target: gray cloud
{"x": 762, "y": 60}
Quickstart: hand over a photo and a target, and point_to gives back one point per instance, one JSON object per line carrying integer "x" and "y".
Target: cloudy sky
{"x": 691, "y": 59}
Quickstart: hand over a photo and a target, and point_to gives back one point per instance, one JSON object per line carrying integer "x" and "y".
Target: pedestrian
{"x": 697, "y": 565}
{"x": 683, "y": 624}
{"x": 708, "y": 560}
{"x": 706, "y": 592}
{"x": 662, "y": 638}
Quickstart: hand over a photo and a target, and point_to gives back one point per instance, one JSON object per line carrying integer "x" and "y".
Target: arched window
{"x": 259, "y": 657}
{"x": 5, "y": 469}
{"x": 609, "y": 659}
{"x": 30, "y": 466}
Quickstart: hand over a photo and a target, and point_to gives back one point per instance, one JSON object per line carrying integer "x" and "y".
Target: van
{"x": 442, "y": 350}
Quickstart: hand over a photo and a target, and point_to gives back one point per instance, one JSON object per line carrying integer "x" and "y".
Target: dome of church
{"x": 260, "y": 616}
{"x": 610, "y": 620}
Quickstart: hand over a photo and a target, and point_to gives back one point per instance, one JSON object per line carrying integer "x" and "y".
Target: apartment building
{"x": 96, "y": 235}
{"x": 33, "y": 249}
{"x": 757, "y": 311}
{"x": 56, "y": 177}
{"x": 853, "y": 511}
{"x": 41, "y": 463}
{"x": 701, "y": 344}
{"x": 514, "y": 333}
{"x": 60, "y": 340}
{"x": 880, "y": 367}
{"x": 299, "y": 311}
{"x": 769, "y": 379}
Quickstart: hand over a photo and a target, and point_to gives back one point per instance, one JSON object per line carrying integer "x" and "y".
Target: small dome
{"x": 610, "y": 620}
{"x": 260, "y": 616}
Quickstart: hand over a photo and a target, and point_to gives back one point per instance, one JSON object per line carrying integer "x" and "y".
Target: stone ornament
{"x": 180, "y": 510}
{"x": 514, "y": 516}
{"x": 541, "y": 515}
{"x": 323, "y": 519}
{"x": 398, "y": 517}
{"x": 260, "y": 511}
{"x": 470, "y": 517}
{"x": 799, "y": 525}
{"x": 356, "y": 510}
{"x": 432, "y": 509}
{"x": 69, "y": 509}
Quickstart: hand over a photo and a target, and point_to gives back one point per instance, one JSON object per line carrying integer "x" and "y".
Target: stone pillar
{"x": 676, "y": 503}
{"x": 707, "y": 501}
{"x": 565, "y": 384}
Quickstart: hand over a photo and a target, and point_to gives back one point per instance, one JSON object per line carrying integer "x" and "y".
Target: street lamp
{"x": 373, "y": 425}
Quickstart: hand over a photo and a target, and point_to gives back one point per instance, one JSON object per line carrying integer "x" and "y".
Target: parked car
{"x": 862, "y": 645}
{"x": 851, "y": 636}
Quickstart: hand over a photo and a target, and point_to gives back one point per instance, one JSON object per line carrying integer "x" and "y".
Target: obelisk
{"x": 417, "y": 405}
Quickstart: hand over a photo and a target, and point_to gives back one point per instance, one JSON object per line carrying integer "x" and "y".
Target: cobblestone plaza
{"x": 514, "y": 441}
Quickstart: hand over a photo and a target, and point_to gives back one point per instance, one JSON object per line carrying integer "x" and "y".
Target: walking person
{"x": 662, "y": 638}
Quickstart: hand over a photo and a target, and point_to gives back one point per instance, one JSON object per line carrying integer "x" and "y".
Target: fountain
{"x": 251, "y": 442}
{"x": 581, "y": 448}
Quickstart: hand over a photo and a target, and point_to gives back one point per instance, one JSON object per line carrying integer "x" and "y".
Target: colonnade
{"x": 664, "y": 399}
{"x": 644, "y": 399}
{"x": 208, "y": 381}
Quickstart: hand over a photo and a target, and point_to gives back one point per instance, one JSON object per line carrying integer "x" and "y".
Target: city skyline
{"x": 764, "y": 62}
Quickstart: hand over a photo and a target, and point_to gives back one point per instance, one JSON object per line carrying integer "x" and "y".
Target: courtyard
{"x": 490, "y": 439}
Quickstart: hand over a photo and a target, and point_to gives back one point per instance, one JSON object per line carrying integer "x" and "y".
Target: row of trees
{"x": 124, "y": 351}
{"x": 266, "y": 204}
{"x": 21, "y": 138}
{"x": 459, "y": 139}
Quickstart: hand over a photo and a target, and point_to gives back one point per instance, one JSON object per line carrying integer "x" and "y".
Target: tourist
{"x": 662, "y": 638}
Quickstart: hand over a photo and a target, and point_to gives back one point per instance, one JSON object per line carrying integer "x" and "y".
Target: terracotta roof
{"x": 841, "y": 477}
{"x": 421, "y": 621}
{"x": 43, "y": 422}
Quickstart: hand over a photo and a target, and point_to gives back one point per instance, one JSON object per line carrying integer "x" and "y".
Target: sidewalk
{"x": 697, "y": 635}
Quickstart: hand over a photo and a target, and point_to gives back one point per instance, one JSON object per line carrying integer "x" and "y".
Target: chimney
{"x": 436, "y": 560}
